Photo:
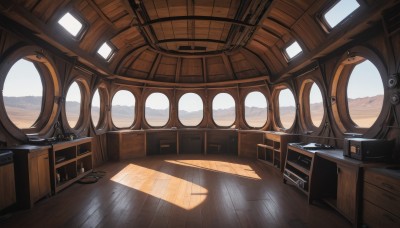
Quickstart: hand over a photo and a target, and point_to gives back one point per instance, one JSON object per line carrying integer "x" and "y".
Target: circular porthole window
{"x": 190, "y": 109}
{"x": 317, "y": 110}
{"x": 95, "y": 109}
{"x": 30, "y": 93}
{"x": 358, "y": 92}
{"x": 73, "y": 104}
{"x": 256, "y": 109}
{"x": 311, "y": 103}
{"x": 364, "y": 94}
{"x": 157, "y": 109}
{"x": 223, "y": 110}
{"x": 123, "y": 109}
{"x": 287, "y": 108}
{"x": 23, "y": 94}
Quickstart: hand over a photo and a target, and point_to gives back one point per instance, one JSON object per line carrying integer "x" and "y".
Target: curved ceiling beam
{"x": 191, "y": 40}
{"x": 259, "y": 58}
{"x": 125, "y": 58}
{"x": 198, "y": 18}
{"x": 192, "y": 85}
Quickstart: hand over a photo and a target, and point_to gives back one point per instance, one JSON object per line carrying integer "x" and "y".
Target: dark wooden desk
{"x": 337, "y": 180}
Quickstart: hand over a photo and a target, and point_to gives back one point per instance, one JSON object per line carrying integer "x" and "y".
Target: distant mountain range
{"x": 29, "y": 107}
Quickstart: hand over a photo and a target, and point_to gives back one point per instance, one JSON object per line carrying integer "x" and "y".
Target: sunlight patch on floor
{"x": 239, "y": 170}
{"x": 179, "y": 192}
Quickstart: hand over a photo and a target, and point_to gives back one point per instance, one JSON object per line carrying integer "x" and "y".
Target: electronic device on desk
{"x": 314, "y": 146}
{"x": 42, "y": 141}
{"x": 367, "y": 149}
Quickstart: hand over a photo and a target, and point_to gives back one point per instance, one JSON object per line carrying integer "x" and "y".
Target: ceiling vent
{"x": 190, "y": 48}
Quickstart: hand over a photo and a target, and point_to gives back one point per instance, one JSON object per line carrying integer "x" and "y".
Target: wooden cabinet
{"x": 127, "y": 144}
{"x": 191, "y": 142}
{"x": 32, "y": 174}
{"x": 7, "y": 186}
{"x": 222, "y": 141}
{"x": 247, "y": 143}
{"x": 70, "y": 161}
{"x": 381, "y": 197}
{"x": 336, "y": 179}
{"x": 347, "y": 179}
{"x": 273, "y": 150}
{"x": 158, "y": 142}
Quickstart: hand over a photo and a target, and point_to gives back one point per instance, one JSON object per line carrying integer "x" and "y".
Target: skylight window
{"x": 293, "y": 50}
{"x": 340, "y": 11}
{"x": 105, "y": 51}
{"x": 71, "y": 24}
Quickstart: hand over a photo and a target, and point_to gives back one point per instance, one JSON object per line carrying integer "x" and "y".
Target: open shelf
{"x": 76, "y": 154}
{"x": 64, "y": 163}
{"x": 298, "y": 168}
{"x": 273, "y": 150}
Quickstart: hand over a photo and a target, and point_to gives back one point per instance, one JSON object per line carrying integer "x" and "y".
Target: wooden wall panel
{"x": 227, "y": 140}
{"x": 191, "y": 142}
{"x": 7, "y": 183}
{"x": 248, "y": 143}
{"x": 126, "y": 145}
{"x": 154, "y": 139}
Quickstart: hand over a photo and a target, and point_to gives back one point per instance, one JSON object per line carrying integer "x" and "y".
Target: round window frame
{"x": 243, "y": 105}
{"x": 84, "y": 115}
{"x": 134, "y": 111}
{"x": 305, "y": 106}
{"x": 101, "y": 126}
{"x": 179, "y": 120}
{"x": 51, "y": 91}
{"x": 212, "y": 109}
{"x": 342, "y": 73}
{"x": 170, "y": 110}
{"x": 277, "y": 124}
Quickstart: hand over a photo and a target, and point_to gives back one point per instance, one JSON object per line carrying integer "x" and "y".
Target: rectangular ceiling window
{"x": 293, "y": 50}
{"x": 71, "y": 24}
{"x": 105, "y": 51}
{"x": 340, "y": 11}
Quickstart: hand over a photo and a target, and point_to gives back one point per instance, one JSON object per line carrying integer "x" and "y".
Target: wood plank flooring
{"x": 180, "y": 191}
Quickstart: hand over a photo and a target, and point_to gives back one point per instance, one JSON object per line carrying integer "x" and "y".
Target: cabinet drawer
{"x": 374, "y": 216}
{"x": 382, "y": 198}
{"x": 382, "y": 181}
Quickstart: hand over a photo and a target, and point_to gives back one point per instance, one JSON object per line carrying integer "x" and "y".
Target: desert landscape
{"x": 23, "y": 112}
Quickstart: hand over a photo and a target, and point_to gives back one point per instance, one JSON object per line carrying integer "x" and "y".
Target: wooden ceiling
{"x": 188, "y": 41}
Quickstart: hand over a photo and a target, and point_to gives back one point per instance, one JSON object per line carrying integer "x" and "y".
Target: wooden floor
{"x": 180, "y": 191}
